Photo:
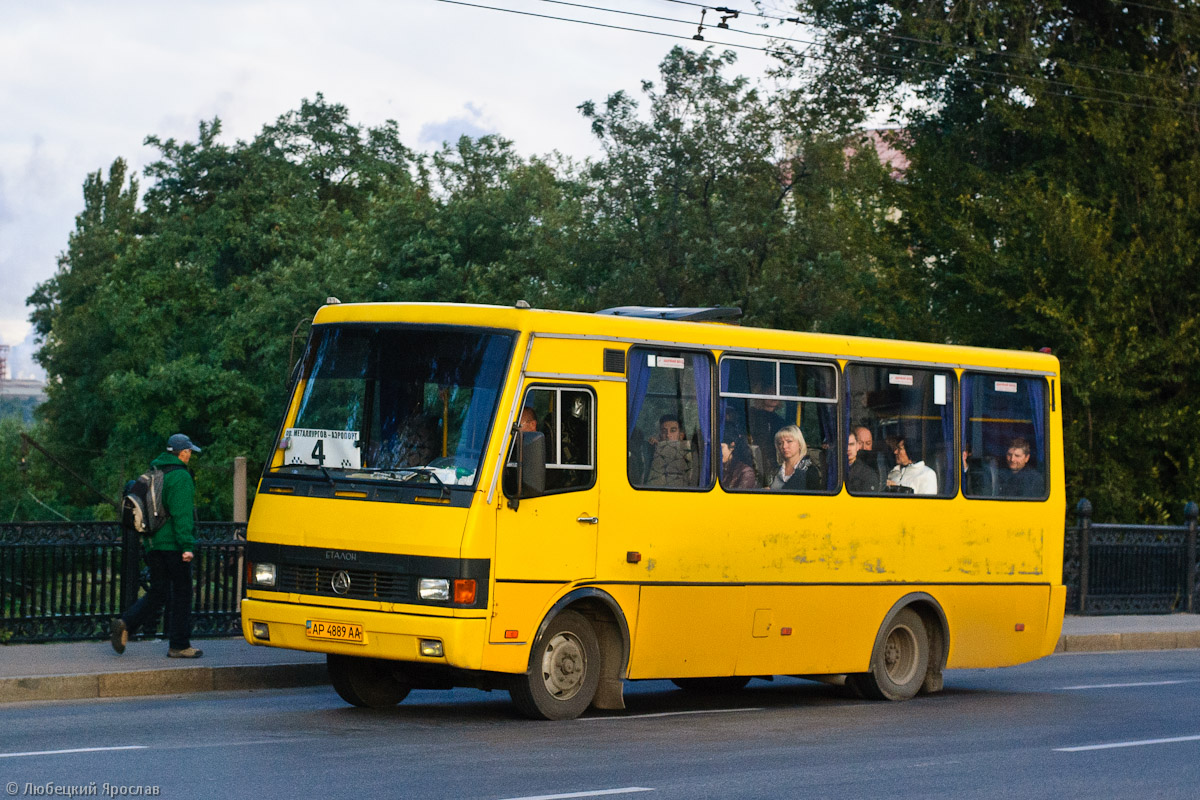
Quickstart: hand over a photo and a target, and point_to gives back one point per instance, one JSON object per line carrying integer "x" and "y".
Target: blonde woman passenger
{"x": 797, "y": 472}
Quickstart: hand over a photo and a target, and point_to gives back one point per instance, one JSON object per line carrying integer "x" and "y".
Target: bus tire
{"x": 722, "y": 685}
{"x": 900, "y": 661}
{"x": 366, "y": 682}
{"x": 564, "y": 670}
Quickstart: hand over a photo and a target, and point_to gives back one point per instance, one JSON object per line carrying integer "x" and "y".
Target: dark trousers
{"x": 170, "y": 583}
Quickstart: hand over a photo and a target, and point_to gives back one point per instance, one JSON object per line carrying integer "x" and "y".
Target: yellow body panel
{"x": 722, "y": 584}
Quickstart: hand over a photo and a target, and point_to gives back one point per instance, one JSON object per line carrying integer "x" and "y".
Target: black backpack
{"x": 142, "y": 507}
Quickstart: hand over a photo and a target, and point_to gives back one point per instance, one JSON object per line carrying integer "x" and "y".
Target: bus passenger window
{"x": 786, "y": 414}
{"x": 907, "y": 415}
{"x": 1004, "y": 436}
{"x": 670, "y": 434}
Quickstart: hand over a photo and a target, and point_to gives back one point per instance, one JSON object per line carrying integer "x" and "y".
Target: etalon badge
{"x": 340, "y": 582}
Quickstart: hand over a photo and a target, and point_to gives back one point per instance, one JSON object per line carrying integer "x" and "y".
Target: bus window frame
{"x": 779, "y": 360}
{"x": 593, "y": 468}
{"x": 953, "y": 469}
{"x": 1048, "y": 383}
{"x": 713, "y": 384}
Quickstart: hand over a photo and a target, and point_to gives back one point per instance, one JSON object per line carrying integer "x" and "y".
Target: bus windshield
{"x": 396, "y": 403}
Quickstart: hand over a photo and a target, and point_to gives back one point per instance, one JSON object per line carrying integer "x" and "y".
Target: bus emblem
{"x": 340, "y": 582}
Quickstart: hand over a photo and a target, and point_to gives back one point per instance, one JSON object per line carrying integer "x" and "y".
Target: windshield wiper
{"x": 429, "y": 472}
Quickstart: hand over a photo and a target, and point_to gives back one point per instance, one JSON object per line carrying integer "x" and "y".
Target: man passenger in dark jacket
{"x": 1020, "y": 479}
{"x": 169, "y": 554}
{"x": 860, "y": 478}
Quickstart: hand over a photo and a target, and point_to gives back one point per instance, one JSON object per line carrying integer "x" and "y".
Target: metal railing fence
{"x": 66, "y": 580}
{"x": 1113, "y": 568}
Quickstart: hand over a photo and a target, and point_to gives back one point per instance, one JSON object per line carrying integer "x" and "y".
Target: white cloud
{"x": 82, "y": 83}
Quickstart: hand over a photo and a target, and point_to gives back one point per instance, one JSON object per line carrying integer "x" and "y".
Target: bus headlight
{"x": 264, "y": 575}
{"x": 433, "y": 589}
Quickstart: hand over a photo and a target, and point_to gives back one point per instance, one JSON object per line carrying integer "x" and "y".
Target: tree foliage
{"x": 1051, "y": 200}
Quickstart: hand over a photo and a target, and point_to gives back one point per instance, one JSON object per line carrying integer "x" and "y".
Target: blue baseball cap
{"x": 179, "y": 442}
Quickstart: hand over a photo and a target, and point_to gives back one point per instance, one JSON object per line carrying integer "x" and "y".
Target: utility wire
{"x": 971, "y": 48}
{"x": 1080, "y": 92}
{"x": 929, "y": 61}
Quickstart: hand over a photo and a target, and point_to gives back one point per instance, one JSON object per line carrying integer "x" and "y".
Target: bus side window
{"x": 1004, "y": 436}
{"x": 669, "y": 418}
{"x": 909, "y": 413}
{"x": 765, "y": 398}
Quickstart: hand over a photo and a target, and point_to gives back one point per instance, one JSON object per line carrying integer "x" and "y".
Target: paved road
{"x": 1019, "y": 732}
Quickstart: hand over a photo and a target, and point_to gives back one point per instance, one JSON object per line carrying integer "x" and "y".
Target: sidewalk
{"x": 75, "y": 670}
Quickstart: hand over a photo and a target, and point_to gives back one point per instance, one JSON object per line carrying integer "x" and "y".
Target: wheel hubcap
{"x": 564, "y": 664}
{"x": 900, "y": 655}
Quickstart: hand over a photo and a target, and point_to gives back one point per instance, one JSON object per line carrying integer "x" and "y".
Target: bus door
{"x": 551, "y": 539}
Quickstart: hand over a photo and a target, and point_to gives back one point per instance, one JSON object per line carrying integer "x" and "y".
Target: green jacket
{"x": 178, "y": 534}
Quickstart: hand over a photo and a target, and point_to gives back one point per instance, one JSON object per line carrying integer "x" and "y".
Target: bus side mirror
{"x": 529, "y": 469}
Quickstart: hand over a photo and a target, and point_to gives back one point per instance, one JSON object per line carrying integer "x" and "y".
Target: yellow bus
{"x": 552, "y": 503}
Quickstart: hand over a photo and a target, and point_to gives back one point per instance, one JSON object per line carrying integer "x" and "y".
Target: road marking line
{"x": 596, "y": 793}
{"x": 671, "y": 714}
{"x": 1115, "y": 745}
{"x": 75, "y": 750}
{"x": 1123, "y": 685}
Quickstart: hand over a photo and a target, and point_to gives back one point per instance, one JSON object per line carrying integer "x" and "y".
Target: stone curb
{"x": 1107, "y": 642}
{"x": 141, "y": 683}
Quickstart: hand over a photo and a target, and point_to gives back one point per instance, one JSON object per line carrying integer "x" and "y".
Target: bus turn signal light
{"x": 510, "y": 634}
{"x": 1020, "y": 627}
{"x": 464, "y": 591}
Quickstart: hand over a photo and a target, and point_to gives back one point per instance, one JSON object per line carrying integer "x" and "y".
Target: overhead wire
{"x": 956, "y": 46}
{"x": 1082, "y": 93}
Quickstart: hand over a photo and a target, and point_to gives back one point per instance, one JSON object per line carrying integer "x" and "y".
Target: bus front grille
{"x": 362, "y": 585}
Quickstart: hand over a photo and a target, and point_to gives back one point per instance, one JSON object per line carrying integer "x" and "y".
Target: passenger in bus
{"x": 865, "y": 441}
{"x": 669, "y": 429}
{"x": 528, "y": 420}
{"x": 762, "y": 423}
{"x": 860, "y": 478}
{"x": 909, "y": 474}
{"x": 736, "y": 472}
{"x": 797, "y": 472}
{"x": 673, "y": 460}
{"x": 1020, "y": 479}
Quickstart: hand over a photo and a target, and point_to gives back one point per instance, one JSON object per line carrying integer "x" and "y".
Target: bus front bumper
{"x": 397, "y": 636}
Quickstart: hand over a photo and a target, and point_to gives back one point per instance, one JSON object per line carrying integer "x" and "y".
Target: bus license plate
{"x": 334, "y": 631}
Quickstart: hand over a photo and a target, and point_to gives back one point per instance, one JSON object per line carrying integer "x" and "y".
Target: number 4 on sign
{"x": 318, "y": 452}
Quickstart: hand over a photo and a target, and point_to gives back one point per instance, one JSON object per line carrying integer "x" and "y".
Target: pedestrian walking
{"x": 169, "y": 554}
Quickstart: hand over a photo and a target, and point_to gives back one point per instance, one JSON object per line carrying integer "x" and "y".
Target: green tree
{"x": 716, "y": 196}
{"x": 1051, "y": 200}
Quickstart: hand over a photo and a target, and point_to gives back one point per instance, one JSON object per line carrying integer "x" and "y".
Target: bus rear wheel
{"x": 564, "y": 670}
{"x": 900, "y": 660}
{"x": 366, "y": 682}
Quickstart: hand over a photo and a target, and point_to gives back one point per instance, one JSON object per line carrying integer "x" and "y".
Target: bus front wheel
{"x": 900, "y": 660}
{"x": 564, "y": 670}
{"x": 366, "y": 682}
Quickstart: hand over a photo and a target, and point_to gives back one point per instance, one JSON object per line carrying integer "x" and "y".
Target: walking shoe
{"x": 119, "y": 635}
{"x": 189, "y": 652}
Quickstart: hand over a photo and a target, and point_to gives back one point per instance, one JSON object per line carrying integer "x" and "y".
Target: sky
{"x": 82, "y": 83}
